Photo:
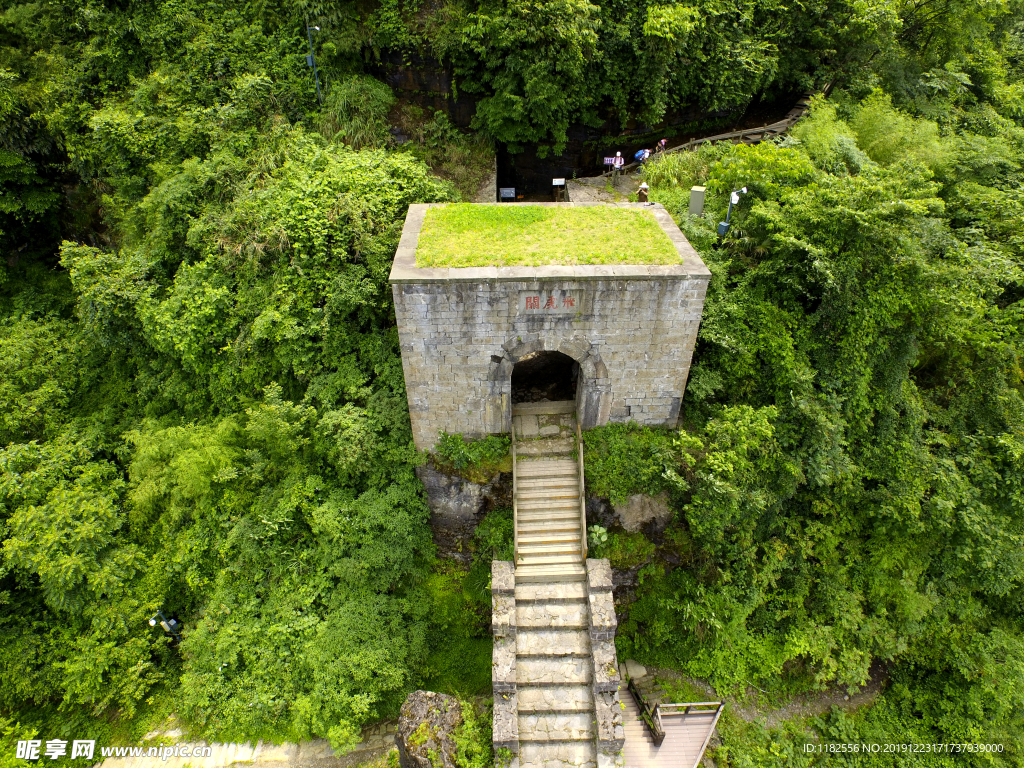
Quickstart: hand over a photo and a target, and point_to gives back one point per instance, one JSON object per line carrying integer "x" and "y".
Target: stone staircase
{"x": 554, "y": 676}
{"x": 547, "y": 489}
{"x": 554, "y": 666}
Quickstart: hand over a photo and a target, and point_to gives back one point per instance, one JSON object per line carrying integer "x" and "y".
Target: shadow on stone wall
{"x": 457, "y": 506}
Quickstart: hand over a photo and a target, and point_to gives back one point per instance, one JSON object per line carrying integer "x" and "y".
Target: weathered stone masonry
{"x": 631, "y": 328}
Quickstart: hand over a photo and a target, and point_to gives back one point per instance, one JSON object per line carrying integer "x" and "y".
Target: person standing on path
{"x": 618, "y": 163}
{"x": 641, "y": 194}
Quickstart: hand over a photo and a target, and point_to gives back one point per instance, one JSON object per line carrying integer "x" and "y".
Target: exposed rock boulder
{"x": 635, "y": 669}
{"x": 426, "y": 730}
{"x": 600, "y": 512}
{"x": 641, "y": 509}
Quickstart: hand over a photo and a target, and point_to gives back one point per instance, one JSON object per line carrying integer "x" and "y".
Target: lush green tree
{"x": 850, "y": 476}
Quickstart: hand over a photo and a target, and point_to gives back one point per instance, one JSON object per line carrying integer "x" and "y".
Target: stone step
{"x": 534, "y": 517}
{"x": 546, "y": 447}
{"x": 543, "y": 481}
{"x": 553, "y": 406}
{"x": 553, "y": 615}
{"x": 549, "y": 514}
{"x": 555, "y": 468}
{"x": 568, "y": 538}
{"x": 534, "y": 572}
{"x": 558, "y": 754}
{"x": 552, "y": 642}
{"x": 537, "y": 529}
{"x": 549, "y": 524}
{"x": 540, "y": 548}
{"x": 573, "y": 590}
{"x": 531, "y": 427}
{"x": 554, "y": 698}
{"x": 527, "y": 560}
{"x": 540, "y": 502}
{"x": 556, "y": 727}
{"x": 549, "y": 494}
{"x": 555, "y": 669}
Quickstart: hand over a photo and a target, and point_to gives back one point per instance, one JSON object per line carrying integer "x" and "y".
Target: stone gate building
{"x": 618, "y": 339}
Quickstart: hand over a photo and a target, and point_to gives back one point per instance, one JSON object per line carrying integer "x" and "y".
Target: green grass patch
{"x": 458, "y": 636}
{"x": 463, "y": 235}
{"x": 682, "y": 691}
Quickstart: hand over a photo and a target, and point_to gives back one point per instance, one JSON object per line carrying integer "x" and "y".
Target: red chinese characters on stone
{"x": 554, "y": 302}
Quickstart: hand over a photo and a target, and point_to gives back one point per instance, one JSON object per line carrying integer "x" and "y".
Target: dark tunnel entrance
{"x": 544, "y": 376}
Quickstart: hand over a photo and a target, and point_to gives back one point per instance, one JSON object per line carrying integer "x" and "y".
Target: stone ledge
{"x": 599, "y": 575}
{"x": 505, "y": 718}
{"x": 506, "y": 722}
{"x": 503, "y": 577}
{"x": 404, "y": 269}
{"x": 610, "y": 735}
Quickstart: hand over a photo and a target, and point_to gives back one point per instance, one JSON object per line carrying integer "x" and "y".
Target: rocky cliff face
{"x": 458, "y": 505}
{"x": 426, "y": 730}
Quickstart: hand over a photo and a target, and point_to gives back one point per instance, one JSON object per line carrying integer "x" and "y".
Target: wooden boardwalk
{"x": 686, "y": 737}
{"x": 744, "y": 136}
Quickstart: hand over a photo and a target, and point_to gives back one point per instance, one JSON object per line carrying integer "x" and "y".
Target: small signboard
{"x": 609, "y": 161}
{"x": 507, "y": 193}
{"x": 558, "y": 182}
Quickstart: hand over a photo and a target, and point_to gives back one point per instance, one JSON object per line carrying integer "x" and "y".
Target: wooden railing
{"x": 583, "y": 493}
{"x": 759, "y": 133}
{"x": 515, "y": 500}
{"x": 651, "y": 716}
{"x": 681, "y": 710}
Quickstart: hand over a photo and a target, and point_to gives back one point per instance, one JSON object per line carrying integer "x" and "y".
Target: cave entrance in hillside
{"x": 544, "y": 376}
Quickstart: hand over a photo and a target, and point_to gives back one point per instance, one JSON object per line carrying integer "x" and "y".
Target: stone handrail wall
{"x": 503, "y": 659}
{"x": 610, "y": 734}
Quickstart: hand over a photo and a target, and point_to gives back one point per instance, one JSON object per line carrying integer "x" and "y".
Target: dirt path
{"x": 596, "y": 189}
{"x": 377, "y": 741}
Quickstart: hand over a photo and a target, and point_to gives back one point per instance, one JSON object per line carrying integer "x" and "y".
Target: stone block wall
{"x": 611, "y": 735}
{"x": 631, "y": 328}
{"x": 503, "y": 659}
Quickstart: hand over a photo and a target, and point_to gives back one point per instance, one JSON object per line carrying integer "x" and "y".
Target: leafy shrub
{"x": 624, "y": 459}
{"x": 494, "y": 539}
{"x": 888, "y": 135}
{"x": 625, "y": 550}
{"x": 478, "y": 460}
{"x": 597, "y": 536}
{"x": 473, "y": 739}
{"x": 355, "y": 111}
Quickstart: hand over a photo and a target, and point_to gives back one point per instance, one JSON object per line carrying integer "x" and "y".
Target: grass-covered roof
{"x": 468, "y": 235}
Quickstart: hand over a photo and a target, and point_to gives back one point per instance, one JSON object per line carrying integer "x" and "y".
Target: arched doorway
{"x": 544, "y": 376}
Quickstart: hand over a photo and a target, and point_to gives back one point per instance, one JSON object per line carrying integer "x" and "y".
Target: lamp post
{"x": 311, "y": 61}
{"x": 734, "y": 199}
{"x": 170, "y": 626}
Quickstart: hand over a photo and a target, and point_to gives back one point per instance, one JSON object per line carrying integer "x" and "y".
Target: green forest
{"x": 202, "y": 407}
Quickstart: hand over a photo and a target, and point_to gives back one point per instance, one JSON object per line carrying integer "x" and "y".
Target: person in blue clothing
{"x": 641, "y": 157}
